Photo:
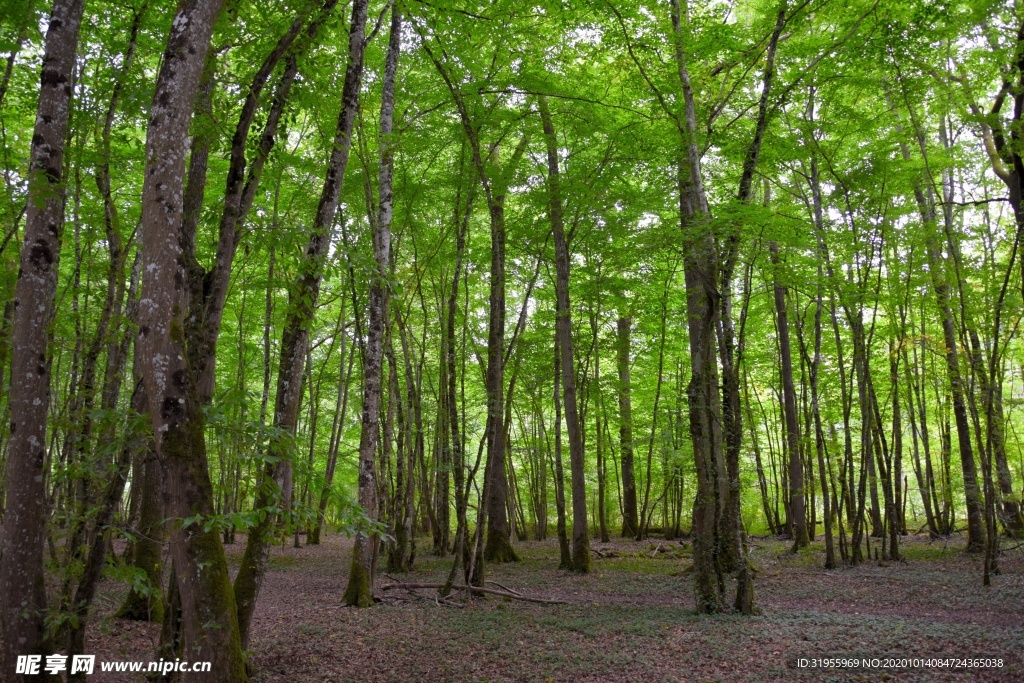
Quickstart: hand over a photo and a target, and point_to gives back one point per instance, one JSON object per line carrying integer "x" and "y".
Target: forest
{"x": 416, "y": 340}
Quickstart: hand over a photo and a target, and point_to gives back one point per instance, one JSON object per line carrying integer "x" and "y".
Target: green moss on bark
{"x": 498, "y": 548}
{"x": 216, "y": 605}
{"x": 358, "y": 592}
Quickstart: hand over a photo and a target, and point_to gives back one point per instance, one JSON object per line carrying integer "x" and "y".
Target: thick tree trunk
{"x": 22, "y": 592}
{"x": 210, "y": 627}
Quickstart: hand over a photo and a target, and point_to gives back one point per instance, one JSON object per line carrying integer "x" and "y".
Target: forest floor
{"x": 631, "y": 619}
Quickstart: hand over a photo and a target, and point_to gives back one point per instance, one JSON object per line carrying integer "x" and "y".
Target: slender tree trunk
{"x": 602, "y": 472}
{"x": 337, "y": 430}
{"x": 819, "y": 434}
{"x": 458, "y": 455}
{"x": 240, "y": 189}
{"x": 147, "y": 605}
{"x": 732, "y": 414}
{"x": 943, "y": 295}
{"x": 646, "y": 508}
{"x": 630, "y": 516}
{"x": 797, "y": 508}
{"x": 563, "y": 326}
{"x": 701, "y": 270}
{"x": 894, "y": 464}
{"x": 565, "y": 556}
{"x": 97, "y": 557}
{"x": 755, "y": 444}
{"x": 497, "y": 547}
{"x": 359, "y": 591}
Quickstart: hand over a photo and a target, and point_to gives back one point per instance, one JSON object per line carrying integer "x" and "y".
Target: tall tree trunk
{"x": 602, "y": 471}
{"x": 210, "y": 626}
{"x": 337, "y": 430}
{"x": 497, "y": 546}
{"x": 630, "y": 515}
{"x": 732, "y": 415}
{"x": 302, "y": 296}
{"x": 22, "y": 591}
{"x": 943, "y": 295}
{"x": 701, "y": 269}
{"x": 798, "y": 514}
{"x": 565, "y": 555}
{"x": 563, "y": 326}
{"x": 359, "y": 591}
{"x": 450, "y": 387}
{"x": 819, "y": 434}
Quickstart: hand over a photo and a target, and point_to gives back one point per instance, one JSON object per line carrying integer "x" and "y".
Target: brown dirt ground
{"x": 631, "y": 619}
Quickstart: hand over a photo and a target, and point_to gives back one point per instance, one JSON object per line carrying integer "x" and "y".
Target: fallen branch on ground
{"x": 473, "y": 589}
{"x": 504, "y": 588}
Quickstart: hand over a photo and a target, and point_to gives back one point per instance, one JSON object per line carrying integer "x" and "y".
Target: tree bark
{"x": 563, "y": 326}
{"x": 564, "y": 554}
{"x": 630, "y": 515}
{"x": 797, "y": 508}
{"x": 302, "y": 297}
{"x": 701, "y": 274}
{"x": 22, "y": 591}
{"x": 210, "y": 626}
{"x": 207, "y": 311}
{"x": 364, "y": 552}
